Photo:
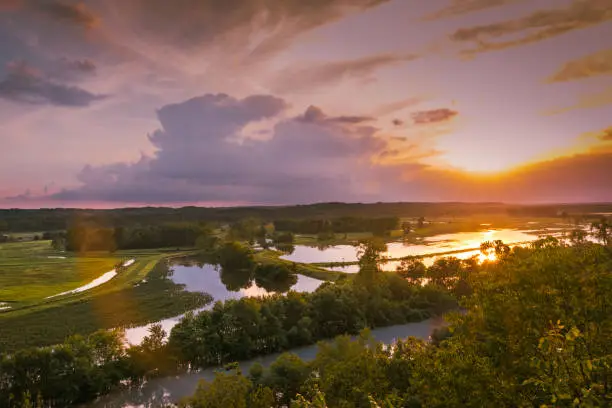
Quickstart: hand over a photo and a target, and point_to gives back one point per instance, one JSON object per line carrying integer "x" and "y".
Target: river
{"x": 162, "y": 391}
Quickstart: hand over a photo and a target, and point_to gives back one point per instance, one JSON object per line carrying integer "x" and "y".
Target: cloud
{"x": 433, "y": 116}
{"x": 392, "y": 107}
{"x": 586, "y": 101}
{"x": 579, "y": 178}
{"x": 26, "y": 84}
{"x": 538, "y": 26}
{"x": 314, "y": 114}
{"x": 9, "y": 4}
{"x": 599, "y": 63}
{"x": 309, "y": 157}
{"x": 25, "y": 196}
{"x": 461, "y": 7}
{"x": 322, "y": 74}
{"x": 199, "y": 23}
{"x": 606, "y": 135}
{"x": 76, "y": 14}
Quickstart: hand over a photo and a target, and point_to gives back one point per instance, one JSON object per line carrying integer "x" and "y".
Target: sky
{"x": 114, "y": 103}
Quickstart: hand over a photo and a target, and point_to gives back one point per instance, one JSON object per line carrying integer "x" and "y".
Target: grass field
{"x": 313, "y": 271}
{"x": 28, "y": 276}
{"x": 44, "y": 272}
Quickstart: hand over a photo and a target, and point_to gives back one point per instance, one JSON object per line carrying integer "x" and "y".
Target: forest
{"x": 52, "y": 219}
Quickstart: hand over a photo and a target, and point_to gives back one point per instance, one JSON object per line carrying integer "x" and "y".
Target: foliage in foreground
{"x": 537, "y": 332}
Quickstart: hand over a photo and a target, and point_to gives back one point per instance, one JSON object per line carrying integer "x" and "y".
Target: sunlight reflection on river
{"x": 462, "y": 245}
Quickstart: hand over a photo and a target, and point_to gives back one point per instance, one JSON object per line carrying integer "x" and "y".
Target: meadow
{"x": 139, "y": 294}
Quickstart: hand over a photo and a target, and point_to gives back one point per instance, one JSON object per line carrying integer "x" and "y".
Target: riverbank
{"x": 159, "y": 392}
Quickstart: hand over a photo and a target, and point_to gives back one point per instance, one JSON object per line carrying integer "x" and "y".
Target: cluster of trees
{"x": 241, "y": 329}
{"x": 85, "y": 238}
{"x": 378, "y": 226}
{"x": 536, "y": 331}
{"x": 345, "y": 373}
{"x": 66, "y": 374}
{"x": 239, "y": 269}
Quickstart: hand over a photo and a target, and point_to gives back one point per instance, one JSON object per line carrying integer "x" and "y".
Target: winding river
{"x": 159, "y": 392}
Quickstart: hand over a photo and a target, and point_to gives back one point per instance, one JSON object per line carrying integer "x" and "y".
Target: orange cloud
{"x": 538, "y": 26}
{"x": 461, "y": 7}
{"x": 433, "y": 116}
{"x": 599, "y": 63}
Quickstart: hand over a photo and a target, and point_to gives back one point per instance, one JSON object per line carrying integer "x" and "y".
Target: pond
{"x": 202, "y": 277}
{"x": 466, "y": 245}
{"x": 158, "y": 392}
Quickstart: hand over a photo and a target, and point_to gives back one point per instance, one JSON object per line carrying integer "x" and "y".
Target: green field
{"x": 36, "y": 266}
{"x": 28, "y": 276}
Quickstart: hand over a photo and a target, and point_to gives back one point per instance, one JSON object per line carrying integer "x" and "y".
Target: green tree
{"x": 229, "y": 390}
{"x": 413, "y": 269}
{"x": 286, "y": 375}
{"x": 602, "y": 231}
{"x": 370, "y": 254}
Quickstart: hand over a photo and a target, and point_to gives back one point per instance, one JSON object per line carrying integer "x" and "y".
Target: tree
{"x": 274, "y": 277}
{"x": 207, "y": 242}
{"x": 602, "y": 231}
{"x": 261, "y": 397}
{"x": 577, "y": 236}
{"x": 58, "y": 243}
{"x": 413, "y": 269}
{"x": 444, "y": 271}
{"x": 421, "y": 222}
{"x": 229, "y": 390}
{"x": 235, "y": 256}
{"x": 369, "y": 254}
{"x": 286, "y": 376}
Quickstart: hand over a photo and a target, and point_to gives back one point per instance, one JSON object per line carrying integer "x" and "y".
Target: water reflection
{"x": 463, "y": 245}
{"x": 198, "y": 276}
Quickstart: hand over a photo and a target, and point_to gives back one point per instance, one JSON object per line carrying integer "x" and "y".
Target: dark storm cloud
{"x": 461, "y": 7}
{"x": 28, "y": 85}
{"x": 537, "y": 26}
{"x": 310, "y": 157}
{"x": 599, "y": 63}
{"x": 433, "y": 116}
{"x": 326, "y": 73}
